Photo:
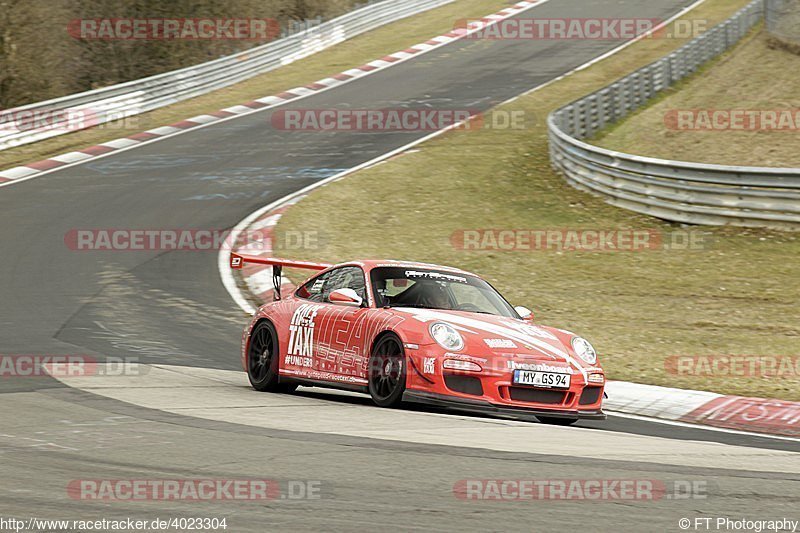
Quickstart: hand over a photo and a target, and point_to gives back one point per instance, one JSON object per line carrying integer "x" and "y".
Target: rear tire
{"x": 263, "y": 357}
{"x": 387, "y": 372}
{"x": 556, "y": 420}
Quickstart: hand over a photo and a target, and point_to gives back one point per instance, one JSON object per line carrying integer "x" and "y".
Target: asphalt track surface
{"x": 376, "y": 468}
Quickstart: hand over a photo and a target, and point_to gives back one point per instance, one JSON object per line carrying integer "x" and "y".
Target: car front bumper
{"x": 483, "y": 407}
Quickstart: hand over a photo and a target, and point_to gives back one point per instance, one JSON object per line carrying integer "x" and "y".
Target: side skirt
{"x": 352, "y": 387}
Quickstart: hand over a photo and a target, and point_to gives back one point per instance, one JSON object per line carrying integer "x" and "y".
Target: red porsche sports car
{"x": 415, "y": 332}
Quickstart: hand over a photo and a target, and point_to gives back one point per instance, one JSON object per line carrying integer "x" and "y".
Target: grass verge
{"x": 736, "y": 296}
{"x": 755, "y": 75}
{"x": 349, "y": 54}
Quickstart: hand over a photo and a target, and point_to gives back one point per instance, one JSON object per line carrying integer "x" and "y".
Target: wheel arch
{"x": 249, "y": 340}
{"x": 380, "y": 335}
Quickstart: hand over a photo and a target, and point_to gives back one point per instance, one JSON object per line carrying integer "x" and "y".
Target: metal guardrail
{"x": 692, "y": 193}
{"x": 783, "y": 20}
{"x": 76, "y": 111}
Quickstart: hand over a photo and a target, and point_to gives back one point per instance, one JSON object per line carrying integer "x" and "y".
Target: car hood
{"x": 491, "y": 334}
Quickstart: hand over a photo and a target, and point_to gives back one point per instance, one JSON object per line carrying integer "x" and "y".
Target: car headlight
{"x": 584, "y": 350}
{"x": 446, "y": 336}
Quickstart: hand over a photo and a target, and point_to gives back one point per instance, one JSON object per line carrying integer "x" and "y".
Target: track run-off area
{"x": 188, "y": 411}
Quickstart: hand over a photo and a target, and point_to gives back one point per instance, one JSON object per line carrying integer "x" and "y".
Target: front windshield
{"x": 436, "y": 289}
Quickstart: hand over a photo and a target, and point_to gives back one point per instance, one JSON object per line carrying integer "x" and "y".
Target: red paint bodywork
{"x": 343, "y": 337}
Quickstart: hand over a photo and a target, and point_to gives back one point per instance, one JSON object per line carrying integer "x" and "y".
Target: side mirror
{"x": 524, "y": 313}
{"x": 345, "y": 297}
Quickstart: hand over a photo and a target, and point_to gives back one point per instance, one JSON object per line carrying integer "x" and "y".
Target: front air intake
{"x": 590, "y": 395}
{"x": 464, "y": 384}
{"x": 522, "y": 394}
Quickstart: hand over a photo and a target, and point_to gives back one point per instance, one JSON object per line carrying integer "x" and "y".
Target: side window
{"x": 312, "y": 290}
{"x": 319, "y": 288}
{"x": 345, "y": 278}
{"x": 386, "y": 290}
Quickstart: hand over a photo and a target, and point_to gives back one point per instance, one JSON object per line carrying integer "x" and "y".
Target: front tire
{"x": 556, "y": 420}
{"x": 387, "y": 372}
{"x": 263, "y": 358}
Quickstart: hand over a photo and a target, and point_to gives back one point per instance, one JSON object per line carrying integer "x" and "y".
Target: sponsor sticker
{"x": 539, "y": 367}
{"x": 439, "y": 276}
{"x": 499, "y": 343}
{"x": 301, "y": 331}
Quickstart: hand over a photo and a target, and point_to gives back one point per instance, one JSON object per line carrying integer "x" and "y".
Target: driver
{"x": 434, "y": 295}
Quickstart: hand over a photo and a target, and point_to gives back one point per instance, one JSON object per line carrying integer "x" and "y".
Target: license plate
{"x": 550, "y": 380}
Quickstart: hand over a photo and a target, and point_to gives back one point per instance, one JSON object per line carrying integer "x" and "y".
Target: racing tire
{"x": 556, "y": 420}
{"x": 387, "y": 372}
{"x": 262, "y": 360}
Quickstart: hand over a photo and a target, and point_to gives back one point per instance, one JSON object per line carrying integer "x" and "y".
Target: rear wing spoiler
{"x": 238, "y": 261}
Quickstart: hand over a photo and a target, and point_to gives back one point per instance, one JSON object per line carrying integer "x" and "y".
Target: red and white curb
{"x": 756, "y": 415}
{"x": 260, "y": 241}
{"x": 80, "y": 156}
